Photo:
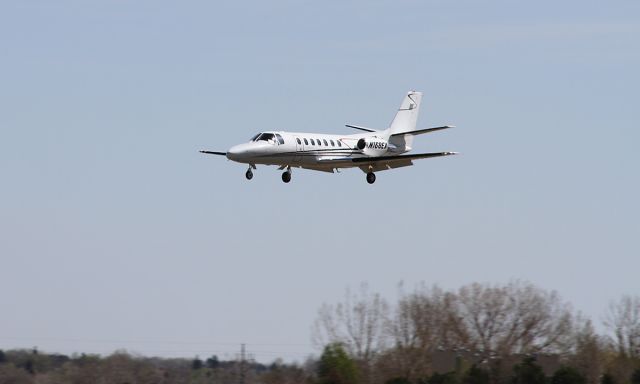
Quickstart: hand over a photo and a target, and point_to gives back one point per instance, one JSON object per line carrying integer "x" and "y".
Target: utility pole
{"x": 242, "y": 366}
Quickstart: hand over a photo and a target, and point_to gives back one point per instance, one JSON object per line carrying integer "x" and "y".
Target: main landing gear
{"x": 371, "y": 177}
{"x": 286, "y": 175}
{"x": 249, "y": 174}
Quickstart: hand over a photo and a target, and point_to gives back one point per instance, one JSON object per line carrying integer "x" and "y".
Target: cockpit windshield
{"x": 266, "y": 137}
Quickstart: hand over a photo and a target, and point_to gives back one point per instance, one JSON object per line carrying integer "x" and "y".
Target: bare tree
{"x": 9, "y": 374}
{"x": 517, "y": 318}
{"x": 121, "y": 367}
{"x": 415, "y": 330}
{"x": 623, "y": 320}
{"x": 588, "y": 352}
{"x": 357, "y": 323}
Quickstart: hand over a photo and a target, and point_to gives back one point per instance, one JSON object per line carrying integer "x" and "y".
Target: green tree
{"x": 476, "y": 375}
{"x": 28, "y": 366}
{"x": 446, "y": 378}
{"x": 213, "y": 362}
{"x": 607, "y": 378}
{"x": 528, "y": 372}
{"x": 635, "y": 377}
{"x": 567, "y": 375}
{"x": 196, "y": 364}
{"x": 336, "y": 367}
{"x": 281, "y": 373}
{"x": 398, "y": 380}
{"x": 3, "y": 357}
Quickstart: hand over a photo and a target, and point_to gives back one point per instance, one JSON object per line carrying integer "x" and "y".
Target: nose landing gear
{"x": 371, "y": 177}
{"x": 286, "y": 175}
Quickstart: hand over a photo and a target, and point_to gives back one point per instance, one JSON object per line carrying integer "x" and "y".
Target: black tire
{"x": 249, "y": 174}
{"x": 371, "y": 177}
{"x": 286, "y": 176}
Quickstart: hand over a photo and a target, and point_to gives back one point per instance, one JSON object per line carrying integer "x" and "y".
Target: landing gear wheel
{"x": 371, "y": 177}
{"x": 286, "y": 176}
{"x": 249, "y": 174}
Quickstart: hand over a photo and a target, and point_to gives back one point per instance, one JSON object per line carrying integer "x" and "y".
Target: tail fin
{"x": 405, "y": 120}
{"x": 407, "y": 116}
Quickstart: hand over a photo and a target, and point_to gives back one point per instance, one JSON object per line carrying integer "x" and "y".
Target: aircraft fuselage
{"x": 308, "y": 149}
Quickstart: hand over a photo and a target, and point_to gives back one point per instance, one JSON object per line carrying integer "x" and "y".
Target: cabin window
{"x": 339, "y": 143}
{"x": 325, "y": 142}
{"x": 298, "y": 140}
{"x": 312, "y": 142}
{"x": 280, "y": 139}
{"x": 306, "y": 142}
{"x": 332, "y": 143}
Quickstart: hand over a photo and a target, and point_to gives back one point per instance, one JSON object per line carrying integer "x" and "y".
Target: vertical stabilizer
{"x": 407, "y": 116}
{"x": 405, "y": 120}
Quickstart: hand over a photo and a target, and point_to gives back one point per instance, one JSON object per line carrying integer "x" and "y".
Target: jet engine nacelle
{"x": 372, "y": 145}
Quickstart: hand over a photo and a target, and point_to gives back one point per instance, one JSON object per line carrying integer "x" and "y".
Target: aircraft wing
{"x": 402, "y": 157}
{"x": 214, "y": 153}
{"x": 383, "y": 162}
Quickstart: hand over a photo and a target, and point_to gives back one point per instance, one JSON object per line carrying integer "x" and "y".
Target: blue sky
{"x": 117, "y": 233}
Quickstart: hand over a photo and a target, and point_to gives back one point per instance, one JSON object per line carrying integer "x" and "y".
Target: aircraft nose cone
{"x": 237, "y": 152}
{"x": 233, "y": 152}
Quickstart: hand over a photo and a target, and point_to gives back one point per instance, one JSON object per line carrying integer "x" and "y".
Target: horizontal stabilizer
{"x": 214, "y": 153}
{"x": 421, "y": 131}
{"x": 360, "y": 128}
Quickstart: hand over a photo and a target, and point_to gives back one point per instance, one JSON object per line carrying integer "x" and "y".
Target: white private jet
{"x": 372, "y": 151}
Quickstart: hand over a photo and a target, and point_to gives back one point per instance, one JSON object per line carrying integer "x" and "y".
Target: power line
{"x": 140, "y": 341}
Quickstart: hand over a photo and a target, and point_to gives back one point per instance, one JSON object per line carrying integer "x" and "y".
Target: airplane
{"x": 372, "y": 151}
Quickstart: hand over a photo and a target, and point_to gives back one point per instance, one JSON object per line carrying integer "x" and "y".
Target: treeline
{"x": 492, "y": 331}
{"x": 35, "y": 367}
{"x": 515, "y": 333}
